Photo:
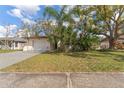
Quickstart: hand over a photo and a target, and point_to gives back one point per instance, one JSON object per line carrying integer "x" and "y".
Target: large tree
{"x": 109, "y": 21}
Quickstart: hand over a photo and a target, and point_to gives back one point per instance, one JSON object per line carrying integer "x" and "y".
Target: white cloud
{"x": 66, "y": 24}
{"x": 49, "y": 5}
{"x": 27, "y": 21}
{"x": 16, "y": 13}
{"x": 76, "y": 19}
{"x": 12, "y": 27}
{"x": 3, "y": 30}
{"x": 31, "y": 10}
{"x": 25, "y": 13}
{"x": 68, "y": 8}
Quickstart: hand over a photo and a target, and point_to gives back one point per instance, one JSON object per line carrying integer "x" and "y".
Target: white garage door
{"x": 41, "y": 44}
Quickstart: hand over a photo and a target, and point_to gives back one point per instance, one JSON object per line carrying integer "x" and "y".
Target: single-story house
{"x": 104, "y": 44}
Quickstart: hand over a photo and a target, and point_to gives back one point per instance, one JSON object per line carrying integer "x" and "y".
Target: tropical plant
{"x": 85, "y": 26}
{"x": 56, "y": 29}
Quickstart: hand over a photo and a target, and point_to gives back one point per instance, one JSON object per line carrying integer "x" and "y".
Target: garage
{"x": 37, "y": 44}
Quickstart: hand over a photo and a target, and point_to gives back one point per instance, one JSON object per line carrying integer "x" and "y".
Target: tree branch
{"x": 100, "y": 33}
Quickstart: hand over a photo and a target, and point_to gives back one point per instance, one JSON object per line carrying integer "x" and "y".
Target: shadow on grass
{"x": 115, "y": 55}
{"x": 77, "y": 54}
{"x": 85, "y": 54}
{"x": 52, "y": 52}
{"x": 120, "y": 59}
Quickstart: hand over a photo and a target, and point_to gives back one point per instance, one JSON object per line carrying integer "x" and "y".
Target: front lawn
{"x": 72, "y": 62}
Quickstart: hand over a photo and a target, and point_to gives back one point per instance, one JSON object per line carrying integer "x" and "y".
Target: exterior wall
{"x": 104, "y": 45}
{"x": 37, "y": 45}
{"x": 18, "y": 47}
{"x": 28, "y": 46}
{"x": 121, "y": 41}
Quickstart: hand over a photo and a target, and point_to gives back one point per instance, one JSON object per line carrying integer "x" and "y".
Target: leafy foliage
{"x": 78, "y": 28}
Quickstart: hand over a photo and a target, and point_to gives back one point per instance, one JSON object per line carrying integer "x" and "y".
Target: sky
{"x": 13, "y": 16}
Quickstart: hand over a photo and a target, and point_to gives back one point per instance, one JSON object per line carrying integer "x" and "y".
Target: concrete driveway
{"x": 62, "y": 80}
{"x": 7, "y": 59}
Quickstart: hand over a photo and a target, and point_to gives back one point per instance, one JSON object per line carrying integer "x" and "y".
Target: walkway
{"x": 7, "y": 59}
{"x": 62, "y": 80}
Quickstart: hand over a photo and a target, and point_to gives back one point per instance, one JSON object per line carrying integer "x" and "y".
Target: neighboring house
{"x": 105, "y": 43}
{"x": 12, "y": 43}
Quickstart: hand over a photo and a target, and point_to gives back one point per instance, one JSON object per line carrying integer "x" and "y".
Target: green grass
{"x": 93, "y": 61}
{"x": 7, "y": 51}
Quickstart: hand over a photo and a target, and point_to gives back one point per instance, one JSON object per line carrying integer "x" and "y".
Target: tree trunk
{"x": 55, "y": 43}
{"x": 111, "y": 43}
{"x": 55, "y": 46}
{"x": 113, "y": 38}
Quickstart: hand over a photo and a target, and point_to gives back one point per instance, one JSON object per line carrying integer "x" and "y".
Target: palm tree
{"x": 58, "y": 29}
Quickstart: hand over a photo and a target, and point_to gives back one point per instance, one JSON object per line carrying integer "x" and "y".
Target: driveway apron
{"x": 7, "y": 59}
